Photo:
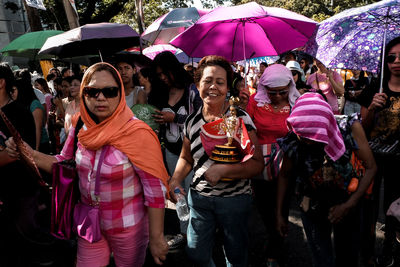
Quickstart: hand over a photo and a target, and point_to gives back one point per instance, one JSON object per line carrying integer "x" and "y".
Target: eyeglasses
{"x": 274, "y": 93}
{"x": 294, "y": 72}
{"x": 392, "y": 57}
{"x": 302, "y": 62}
{"x": 108, "y": 92}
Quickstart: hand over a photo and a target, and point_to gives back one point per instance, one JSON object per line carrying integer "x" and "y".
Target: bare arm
{"x": 142, "y": 97}
{"x": 158, "y": 245}
{"x": 5, "y": 158}
{"x": 337, "y": 87}
{"x": 243, "y": 170}
{"x": 183, "y": 167}
{"x": 364, "y": 153}
{"x": 283, "y": 181}
{"x": 38, "y": 117}
{"x": 367, "y": 114}
{"x": 43, "y": 161}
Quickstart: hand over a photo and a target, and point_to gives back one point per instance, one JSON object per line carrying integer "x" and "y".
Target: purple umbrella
{"x": 166, "y": 27}
{"x": 245, "y": 31}
{"x": 102, "y": 38}
{"x": 354, "y": 38}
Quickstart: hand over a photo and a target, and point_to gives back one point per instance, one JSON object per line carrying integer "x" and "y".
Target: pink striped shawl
{"x": 312, "y": 118}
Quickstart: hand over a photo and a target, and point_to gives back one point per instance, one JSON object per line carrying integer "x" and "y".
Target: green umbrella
{"x": 29, "y": 44}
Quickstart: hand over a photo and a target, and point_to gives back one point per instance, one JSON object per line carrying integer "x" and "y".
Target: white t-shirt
{"x": 40, "y": 96}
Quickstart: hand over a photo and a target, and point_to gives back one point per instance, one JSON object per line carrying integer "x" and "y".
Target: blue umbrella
{"x": 166, "y": 27}
{"x": 356, "y": 38}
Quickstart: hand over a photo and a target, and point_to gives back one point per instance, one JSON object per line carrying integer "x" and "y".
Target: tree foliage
{"x": 90, "y": 11}
{"x": 315, "y": 9}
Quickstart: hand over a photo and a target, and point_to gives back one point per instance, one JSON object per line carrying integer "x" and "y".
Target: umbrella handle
{"x": 101, "y": 57}
{"x": 384, "y": 51}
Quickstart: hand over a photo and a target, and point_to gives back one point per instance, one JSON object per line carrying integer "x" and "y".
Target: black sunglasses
{"x": 281, "y": 92}
{"x": 391, "y": 58}
{"x": 108, "y": 92}
{"x": 294, "y": 72}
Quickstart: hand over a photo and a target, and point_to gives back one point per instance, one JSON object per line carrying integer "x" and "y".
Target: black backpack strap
{"x": 78, "y": 127}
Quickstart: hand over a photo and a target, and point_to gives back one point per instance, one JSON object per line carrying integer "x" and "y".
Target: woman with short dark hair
{"x": 213, "y": 201}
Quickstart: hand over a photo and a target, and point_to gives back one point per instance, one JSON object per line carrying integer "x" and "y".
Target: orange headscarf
{"x": 132, "y": 137}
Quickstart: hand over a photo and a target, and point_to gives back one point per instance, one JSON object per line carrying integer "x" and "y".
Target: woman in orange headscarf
{"x": 132, "y": 176}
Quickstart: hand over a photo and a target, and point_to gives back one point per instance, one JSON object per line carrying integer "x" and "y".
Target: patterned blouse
{"x": 125, "y": 189}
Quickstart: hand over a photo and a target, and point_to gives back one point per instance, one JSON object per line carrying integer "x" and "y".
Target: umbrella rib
{"x": 266, "y": 34}
{"x": 234, "y": 39}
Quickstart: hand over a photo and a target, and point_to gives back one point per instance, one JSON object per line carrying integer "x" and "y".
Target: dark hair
{"x": 44, "y": 85}
{"x": 389, "y": 46}
{"x": 50, "y": 76}
{"x": 26, "y": 93}
{"x": 171, "y": 67}
{"x": 265, "y": 64}
{"x": 237, "y": 78}
{"x": 24, "y": 74}
{"x": 57, "y": 70}
{"x": 64, "y": 70}
{"x": 58, "y": 81}
{"x": 146, "y": 72}
{"x": 214, "y": 61}
{"x": 8, "y": 76}
{"x": 69, "y": 79}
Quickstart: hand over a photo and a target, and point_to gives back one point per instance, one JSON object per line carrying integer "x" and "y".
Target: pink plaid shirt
{"x": 125, "y": 189}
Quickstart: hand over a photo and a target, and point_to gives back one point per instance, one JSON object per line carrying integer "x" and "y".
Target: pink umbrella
{"x": 152, "y": 51}
{"x": 245, "y": 31}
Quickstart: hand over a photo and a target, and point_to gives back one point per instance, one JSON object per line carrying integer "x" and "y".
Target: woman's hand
{"x": 158, "y": 248}
{"x": 12, "y": 148}
{"x": 338, "y": 212}
{"x": 172, "y": 185}
{"x": 215, "y": 173}
{"x": 281, "y": 226}
{"x": 164, "y": 116}
{"x": 378, "y": 101}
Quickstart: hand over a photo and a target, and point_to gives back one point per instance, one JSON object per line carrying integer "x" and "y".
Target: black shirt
{"x": 16, "y": 180}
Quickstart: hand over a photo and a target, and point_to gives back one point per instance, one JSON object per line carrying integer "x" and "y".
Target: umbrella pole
{"x": 101, "y": 57}
{"x": 383, "y": 52}
{"x": 244, "y": 57}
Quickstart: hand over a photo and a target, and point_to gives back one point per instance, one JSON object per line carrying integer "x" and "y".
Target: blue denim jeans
{"x": 230, "y": 214}
{"x": 346, "y": 242}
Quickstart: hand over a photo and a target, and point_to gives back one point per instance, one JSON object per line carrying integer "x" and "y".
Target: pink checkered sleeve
{"x": 68, "y": 148}
{"x": 153, "y": 189}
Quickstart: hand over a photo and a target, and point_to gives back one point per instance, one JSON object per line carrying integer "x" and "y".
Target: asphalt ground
{"x": 295, "y": 246}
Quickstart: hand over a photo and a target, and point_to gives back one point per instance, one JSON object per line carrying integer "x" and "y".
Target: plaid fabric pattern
{"x": 125, "y": 190}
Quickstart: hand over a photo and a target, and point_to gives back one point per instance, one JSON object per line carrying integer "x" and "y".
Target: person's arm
{"x": 158, "y": 245}
{"x": 154, "y": 200}
{"x": 142, "y": 97}
{"x": 183, "y": 167}
{"x": 5, "y": 158}
{"x": 243, "y": 170}
{"x": 43, "y": 161}
{"x": 367, "y": 114}
{"x": 38, "y": 117}
{"x": 337, "y": 86}
{"x": 364, "y": 153}
{"x": 282, "y": 185}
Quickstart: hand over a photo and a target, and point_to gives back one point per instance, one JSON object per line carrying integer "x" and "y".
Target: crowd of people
{"x": 310, "y": 131}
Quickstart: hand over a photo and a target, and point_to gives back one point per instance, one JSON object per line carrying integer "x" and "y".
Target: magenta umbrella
{"x": 245, "y": 31}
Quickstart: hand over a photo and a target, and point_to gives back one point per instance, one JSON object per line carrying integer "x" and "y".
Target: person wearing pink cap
{"x": 330, "y": 159}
